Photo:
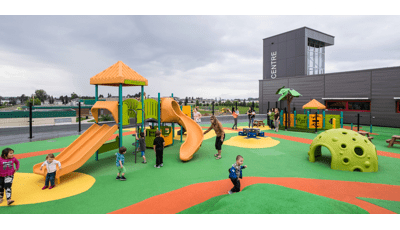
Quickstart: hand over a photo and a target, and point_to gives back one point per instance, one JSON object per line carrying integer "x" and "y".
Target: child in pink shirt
{"x": 7, "y": 171}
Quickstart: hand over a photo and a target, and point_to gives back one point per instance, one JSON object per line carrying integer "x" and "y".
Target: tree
{"x": 41, "y": 94}
{"x": 23, "y": 98}
{"x": 180, "y": 102}
{"x": 288, "y": 95}
{"x": 73, "y": 95}
{"x": 228, "y": 103}
{"x": 66, "y": 99}
{"x": 244, "y": 102}
{"x": 186, "y": 101}
{"x": 197, "y": 103}
{"x": 101, "y": 96}
{"x": 0, "y": 99}
{"x": 109, "y": 95}
{"x": 35, "y": 102}
{"x": 62, "y": 100}
{"x": 13, "y": 101}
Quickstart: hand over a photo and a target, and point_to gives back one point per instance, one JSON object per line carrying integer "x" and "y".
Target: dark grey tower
{"x": 295, "y": 53}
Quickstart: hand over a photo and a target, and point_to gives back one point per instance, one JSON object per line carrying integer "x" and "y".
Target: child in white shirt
{"x": 51, "y": 167}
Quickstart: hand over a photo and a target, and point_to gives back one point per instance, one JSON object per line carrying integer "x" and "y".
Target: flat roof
{"x": 299, "y": 29}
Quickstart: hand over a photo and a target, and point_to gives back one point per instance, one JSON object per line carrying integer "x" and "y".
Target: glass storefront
{"x": 315, "y": 57}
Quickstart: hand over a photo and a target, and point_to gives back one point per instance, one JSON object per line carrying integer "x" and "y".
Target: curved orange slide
{"x": 79, "y": 151}
{"x": 170, "y": 112}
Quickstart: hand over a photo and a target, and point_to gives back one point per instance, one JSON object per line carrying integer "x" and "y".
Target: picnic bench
{"x": 393, "y": 140}
{"x": 258, "y": 123}
{"x": 365, "y": 133}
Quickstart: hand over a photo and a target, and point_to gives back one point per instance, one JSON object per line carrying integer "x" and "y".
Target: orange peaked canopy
{"x": 314, "y": 104}
{"x": 119, "y": 73}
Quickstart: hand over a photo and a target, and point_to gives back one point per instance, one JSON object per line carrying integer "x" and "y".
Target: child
{"x": 158, "y": 146}
{"x": 51, "y": 167}
{"x": 120, "y": 163}
{"x": 142, "y": 146}
{"x": 197, "y": 115}
{"x": 234, "y": 114}
{"x": 7, "y": 171}
{"x": 235, "y": 174}
{"x": 271, "y": 119}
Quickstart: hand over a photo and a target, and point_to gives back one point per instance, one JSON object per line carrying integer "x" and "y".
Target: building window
{"x": 398, "y": 107}
{"x": 315, "y": 57}
{"x": 354, "y": 106}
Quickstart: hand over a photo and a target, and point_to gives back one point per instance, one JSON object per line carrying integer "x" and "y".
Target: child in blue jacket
{"x": 235, "y": 174}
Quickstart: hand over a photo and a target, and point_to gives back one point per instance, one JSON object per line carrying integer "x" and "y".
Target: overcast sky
{"x": 199, "y": 56}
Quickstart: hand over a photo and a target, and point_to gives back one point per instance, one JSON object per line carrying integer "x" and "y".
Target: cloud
{"x": 199, "y": 56}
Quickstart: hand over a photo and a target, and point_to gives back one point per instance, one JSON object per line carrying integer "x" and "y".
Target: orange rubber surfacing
{"x": 346, "y": 191}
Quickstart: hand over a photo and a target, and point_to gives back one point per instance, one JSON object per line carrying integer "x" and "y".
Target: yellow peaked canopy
{"x": 314, "y": 104}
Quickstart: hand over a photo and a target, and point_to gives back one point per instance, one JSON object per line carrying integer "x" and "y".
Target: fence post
{"x": 308, "y": 120}
{"x": 316, "y": 122}
{"x": 341, "y": 119}
{"x": 323, "y": 119}
{"x": 294, "y": 118}
{"x": 370, "y": 129}
{"x": 286, "y": 121}
{"x": 351, "y": 126}
{"x": 30, "y": 120}
{"x": 79, "y": 116}
{"x": 358, "y": 122}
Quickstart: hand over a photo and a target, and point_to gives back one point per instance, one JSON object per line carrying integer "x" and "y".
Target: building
{"x": 296, "y": 59}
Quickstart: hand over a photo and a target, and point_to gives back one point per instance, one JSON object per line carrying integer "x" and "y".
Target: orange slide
{"x": 77, "y": 153}
{"x": 170, "y": 112}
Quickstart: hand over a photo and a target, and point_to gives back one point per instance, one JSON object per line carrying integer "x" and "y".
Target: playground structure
{"x": 350, "y": 151}
{"x": 251, "y": 133}
{"x": 94, "y": 139}
{"x": 315, "y": 121}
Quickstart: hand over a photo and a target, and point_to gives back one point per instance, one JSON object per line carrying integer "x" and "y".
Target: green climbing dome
{"x": 350, "y": 150}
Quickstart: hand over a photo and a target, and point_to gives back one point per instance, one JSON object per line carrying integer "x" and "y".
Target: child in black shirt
{"x": 158, "y": 146}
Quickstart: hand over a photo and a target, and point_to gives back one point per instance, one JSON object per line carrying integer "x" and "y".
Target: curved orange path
{"x": 346, "y": 191}
{"x": 296, "y": 139}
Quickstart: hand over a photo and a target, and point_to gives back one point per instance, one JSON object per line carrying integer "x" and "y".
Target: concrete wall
{"x": 17, "y": 122}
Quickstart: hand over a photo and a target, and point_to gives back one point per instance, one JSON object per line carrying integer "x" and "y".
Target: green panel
{"x": 133, "y": 110}
{"x": 109, "y": 146}
{"x": 150, "y": 109}
{"x": 330, "y": 116}
{"x": 38, "y": 114}
{"x": 130, "y": 82}
{"x": 301, "y": 121}
{"x": 125, "y": 117}
{"x": 165, "y": 130}
{"x": 150, "y": 136}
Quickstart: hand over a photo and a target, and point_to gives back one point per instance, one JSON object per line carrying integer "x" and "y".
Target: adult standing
{"x": 250, "y": 115}
{"x": 219, "y": 131}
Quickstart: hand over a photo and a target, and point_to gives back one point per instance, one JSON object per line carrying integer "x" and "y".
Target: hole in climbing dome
{"x": 343, "y": 146}
{"x": 357, "y": 170}
{"x": 344, "y": 133}
{"x": 346, "y": 160}
{"x": 359, "y": 151}
{"x": 366, "y": 141}
{"x": 354, "y": 139}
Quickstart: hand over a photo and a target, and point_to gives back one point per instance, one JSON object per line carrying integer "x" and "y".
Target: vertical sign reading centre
{"x": 273, "y": 64}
